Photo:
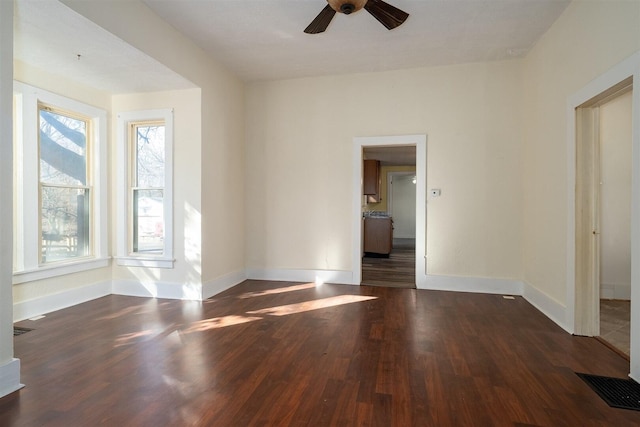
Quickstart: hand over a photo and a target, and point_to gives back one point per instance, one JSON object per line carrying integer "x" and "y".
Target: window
{"x": 65, "y": 187}
{"x": 60, "y": 197}
{"x": 145, "y": 208}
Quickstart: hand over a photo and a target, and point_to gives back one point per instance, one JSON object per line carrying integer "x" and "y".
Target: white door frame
{"x": 390, "y": 177}
{"x": 627, "y": 68}
{"x": 420, "y": 142}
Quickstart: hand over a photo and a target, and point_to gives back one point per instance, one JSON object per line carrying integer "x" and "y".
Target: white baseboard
{"x": 472, "y": 284}
{"x": 547, "y": 305}
{"x": 621, "y": 291}
{"x": 136, "y": 288}
{"x": 10, "y": 377}
{"x": 220, "y": 284}
{"x": 283, "y": 275}
{"x": 48, "y": 303}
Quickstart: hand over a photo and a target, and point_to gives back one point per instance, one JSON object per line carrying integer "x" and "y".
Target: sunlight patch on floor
{"x": 132, "y": 337}
{"x": 277, "y": 290}
{"x": 301, "y": 307}
{"x": 219, "y": 322}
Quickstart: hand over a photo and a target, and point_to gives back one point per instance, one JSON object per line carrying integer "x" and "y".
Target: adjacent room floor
{"x": 615, "y": 323}
{"x": 296, "y": 354}
{"x": 397, "y": 271}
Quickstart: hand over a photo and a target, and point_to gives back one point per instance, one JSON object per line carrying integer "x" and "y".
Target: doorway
{"x": 416, "y": 267}
{"x": 392, "y": 214}
{"x": 615, "y": 220}
{"x": 603, "y": 216}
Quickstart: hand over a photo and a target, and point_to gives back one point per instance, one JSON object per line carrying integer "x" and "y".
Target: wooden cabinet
{"x": 378, "y": 235}
{"x": 371, "y": 180}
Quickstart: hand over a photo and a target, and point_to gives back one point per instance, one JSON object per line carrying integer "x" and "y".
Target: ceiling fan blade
{"x": 389, "y": 16}
{"x": 321, "y": 22}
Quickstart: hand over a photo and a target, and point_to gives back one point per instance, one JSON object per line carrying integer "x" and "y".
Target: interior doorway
{"x": 615, "y": 220}
{"x": 603, "y": 215}
{"x": 373, "y": 208}
{"x": 390, "y": 219}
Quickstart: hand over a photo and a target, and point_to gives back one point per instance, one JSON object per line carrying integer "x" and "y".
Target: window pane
{"x": 148, "y": 221}
{"x": 63, "y": 149}
{"x": 65, "y": 223}
{"x": 149, "y": 166}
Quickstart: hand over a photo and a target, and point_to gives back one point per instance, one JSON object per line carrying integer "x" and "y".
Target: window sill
{"x": 54, "y": 270}
{"x": 145, "y": 262}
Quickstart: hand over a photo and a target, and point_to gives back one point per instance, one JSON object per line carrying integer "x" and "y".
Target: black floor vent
{"x": 17, "y": 330}
{"x": 617, "y": 392}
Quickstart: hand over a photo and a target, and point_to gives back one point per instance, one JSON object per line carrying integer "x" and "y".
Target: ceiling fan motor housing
{"x": 347, "y": 6}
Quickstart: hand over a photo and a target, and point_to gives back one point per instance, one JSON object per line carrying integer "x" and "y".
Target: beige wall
{"x": 186, "y": 184}
{"x": 615, "y": 197}
{"x": 496, "y": 147}
{"x": 223, "y": 179}
{"x": 222, "y": 157}
{"x": 62, "y": 86}
{"x": 299, "y": 148}
{"x": 588, "y": 39}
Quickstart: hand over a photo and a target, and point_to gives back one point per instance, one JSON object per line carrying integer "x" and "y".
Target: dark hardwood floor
{"x": 397, "y": 271}
{"x": 287, "y": 354}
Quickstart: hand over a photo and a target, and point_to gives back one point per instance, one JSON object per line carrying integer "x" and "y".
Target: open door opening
{"x": 603, "y": 216}
{"x": 615, "y": 221}
{"x": 374, "y": 246}
{"x": 389, "y": 217}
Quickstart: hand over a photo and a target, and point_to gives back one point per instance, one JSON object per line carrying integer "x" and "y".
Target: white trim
{"x": 53, "y": 270}
{"x": 420, "y": 142}
{"x": 9, "y": 367}
{"x": 635, "y": 224}
{"x": 222, "y": 283}
{"x": 630, "y": 67}
{"x": 307, "y": 276}
{"x": 619, "y": 291}
{"x": 547, "y": 306}
{"x": 48, "y": 303}
{"x": 154, "y": 289}
{"x": 124, "y": 257}
{"x": 132, "y": 261}
{"x": 473, "y": 284}
{"x": 28, "y": 265}
{"x": 615, "y": 75}
{"x": 10, "y": 377}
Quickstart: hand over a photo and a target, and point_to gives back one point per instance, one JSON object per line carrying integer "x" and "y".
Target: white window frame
{"x": 124, "y": 227}
{"x": 27, "y": 265}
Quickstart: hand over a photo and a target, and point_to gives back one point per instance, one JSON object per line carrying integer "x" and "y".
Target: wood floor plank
{"x": 398, "y": 270}
{"x": 291, "y": 354}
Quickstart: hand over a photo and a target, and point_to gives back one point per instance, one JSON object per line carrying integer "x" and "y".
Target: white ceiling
{"x": 264, "y": 39}
{"x": 106, "y": 62}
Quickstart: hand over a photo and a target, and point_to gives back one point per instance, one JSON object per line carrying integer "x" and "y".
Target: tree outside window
{"x": 65, "y": 191}
{"x": 147, "y": 187}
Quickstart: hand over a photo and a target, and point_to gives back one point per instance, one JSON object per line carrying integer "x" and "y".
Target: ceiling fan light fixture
{"x": 347, "y": 6}
{"x": 388, "y": 15}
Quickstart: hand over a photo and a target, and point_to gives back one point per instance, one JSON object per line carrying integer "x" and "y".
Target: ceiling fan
{"x": 387, "y": 15}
